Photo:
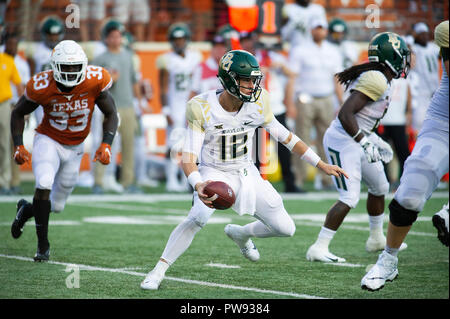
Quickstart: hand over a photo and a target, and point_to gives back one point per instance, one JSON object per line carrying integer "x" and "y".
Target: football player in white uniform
{"x": 52, "y": 31}
{"x": 424, "y": 73}
{"x": 175, "y": 73}
{"x": 424, "y": 168}
{"x": 221, "y": 126}
{"x": 351, "y": 142}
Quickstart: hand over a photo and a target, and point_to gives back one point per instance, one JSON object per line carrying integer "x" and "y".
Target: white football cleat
{"x": 374, "y": 244}
{"x": 248, "y": 248}
{"x": 384, "y": 270}
{"x": 318, "y": 253}
{"x": 440, "y": 222}
{"x": 152, "y": 281}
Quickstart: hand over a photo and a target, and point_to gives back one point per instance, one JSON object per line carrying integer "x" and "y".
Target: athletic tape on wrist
{"x": 194, "y": 178}
{"x": 311, "y": 157}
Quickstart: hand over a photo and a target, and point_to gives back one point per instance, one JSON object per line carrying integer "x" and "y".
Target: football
{"x": 221, "y": 195}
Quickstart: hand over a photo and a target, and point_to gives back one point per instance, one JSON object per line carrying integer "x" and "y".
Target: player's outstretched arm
{"x": 293, "y": 143}
{"x": 307, "y": 154}
{"x": 22, "y": 108}
{"x": 106, "y": 104}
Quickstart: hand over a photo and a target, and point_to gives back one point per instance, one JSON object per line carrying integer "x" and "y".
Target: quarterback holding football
{"x": 221, "y": 125}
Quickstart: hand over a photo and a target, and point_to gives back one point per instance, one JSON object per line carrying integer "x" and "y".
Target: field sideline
{"x": 112, "y": 241}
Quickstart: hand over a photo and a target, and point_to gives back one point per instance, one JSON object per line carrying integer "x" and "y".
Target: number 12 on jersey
{"x": 233, "y": 146}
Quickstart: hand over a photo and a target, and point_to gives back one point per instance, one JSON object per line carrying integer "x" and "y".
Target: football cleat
{"x": 246, "y": 245}
{"x": 318, "y": 253}
{"x": 42, "y": 254}
{"x": 20, "y": 220}
{"x": 440, "y": 222}
{"x": 377, "y": 244}
{"x": 384, "y": 270}
{"x": 152, "y": 281}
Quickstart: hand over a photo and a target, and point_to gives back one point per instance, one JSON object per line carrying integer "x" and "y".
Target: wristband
{"x": 194, "y": 178}
{"x": 17, "y": 140}
{"x": 363, "y": 141}
{"x": 108, "y": 137}
{"x": 294, "y": 139}
{"x": 357, "y": 133}
{"x": 311, "y": 157}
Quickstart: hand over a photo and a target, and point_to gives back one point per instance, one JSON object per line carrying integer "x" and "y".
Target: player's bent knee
{"x": 285, "y": 229}
{"x": 400, "y": 216}
{"x": 45, "y": 181}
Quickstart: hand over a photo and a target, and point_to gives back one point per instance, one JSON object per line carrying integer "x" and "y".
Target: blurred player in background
{"x": 52, "y": 32}
{"x": 351, "y": 142}
{"x": 424, "y": 168}
{"x": 175, "y": 78}
{"x": 220, "y": 133}
{"x": 424, "y": 74}
{"x": 297, "y": 18}
{"x": 337, "y": 34}
{"x": 204, "y": 78}
{"x": 68, "y": 93}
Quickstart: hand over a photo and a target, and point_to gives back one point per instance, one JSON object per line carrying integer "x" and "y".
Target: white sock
{"x": 325, "y": 236}
{"x": 161, "y": 268}
{"x": 376, "y": 225}
{"x": 180, "y": 239}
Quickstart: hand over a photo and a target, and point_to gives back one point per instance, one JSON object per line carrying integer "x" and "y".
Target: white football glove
{"x": 370, "y": 150}
{"x": 385, "y": 150}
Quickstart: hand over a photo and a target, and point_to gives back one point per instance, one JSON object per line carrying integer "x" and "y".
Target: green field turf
{"x": 112, "y": 242}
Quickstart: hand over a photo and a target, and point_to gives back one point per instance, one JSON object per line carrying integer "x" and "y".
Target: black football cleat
{"x": 20, "y": 220}
{"x": 42, "y": 254}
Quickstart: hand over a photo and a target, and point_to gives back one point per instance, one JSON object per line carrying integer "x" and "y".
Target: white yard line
{"x": 188, "y": 281}
{"x": 211, "y": 264}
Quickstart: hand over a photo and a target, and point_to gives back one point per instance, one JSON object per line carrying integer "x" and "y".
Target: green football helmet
{"x": 337, "y": 29}
{"x": 176, "y": 31}
{"x": 391, "y": 50}
{"x": 52, "y": 30}
{"x": 238, "y": 64}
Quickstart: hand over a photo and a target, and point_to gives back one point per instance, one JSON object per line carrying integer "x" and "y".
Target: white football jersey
{"x": 228, "y": 137}
{"x": 439, "y": 106}
{"x": 180, "y": 78}
{"x": 374, "y": 85}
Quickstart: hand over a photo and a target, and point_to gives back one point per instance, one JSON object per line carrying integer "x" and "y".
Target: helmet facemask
{"x": 69, "y": 74}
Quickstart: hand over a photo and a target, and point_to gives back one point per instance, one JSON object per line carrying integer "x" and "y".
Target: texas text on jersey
{"x": 67, "y": 116}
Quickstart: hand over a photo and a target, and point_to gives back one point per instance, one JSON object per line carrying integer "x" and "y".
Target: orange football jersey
{"x": 67, "y": 116}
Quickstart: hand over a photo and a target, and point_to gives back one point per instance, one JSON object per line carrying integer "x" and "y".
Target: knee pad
{"x": 400, "y": 216}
